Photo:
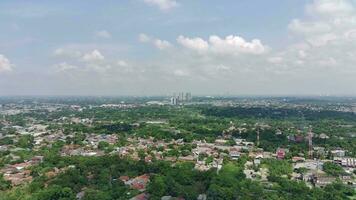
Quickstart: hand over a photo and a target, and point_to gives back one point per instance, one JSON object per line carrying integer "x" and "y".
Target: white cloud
{"x": 158, "y": 43}
{"x": 122, "y": 63}
{"x": 323, "y": 49}
{"x": 90, "y": 63}
{"x": 144, "y": 38}
{"x": 330, "y": 7}
{"x": 124, "y": 67}
{"x": 230, "y": 45}
{"x": 236, "y": 45}
{"x": 327, "y": 33}
{"x": 93, "y": 56}
{"x": 298, "y": 26}
{"x": 162, "y": 44}
{"x": 332, "y": 20}
{"x": 181, "y": 73}
{"x": 64, "y": 67}
{"x": 67, "y": 53}
{"x": 197, "y": 44}
{"x": 328, "y": 62}
{"x": 103, "y": 34}
{"x": 5, "y": 64}
{"x": 321, "y": 40}
{"x": 223, "y": 68}
{"x": 275, "y": 60}
{"x": 302, "y": 54}
{"x": 163, "y": 4}
{"x": 351, "y": 34}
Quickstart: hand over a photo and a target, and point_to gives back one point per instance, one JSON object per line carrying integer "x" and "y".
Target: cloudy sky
{"x": 157, "y": 47}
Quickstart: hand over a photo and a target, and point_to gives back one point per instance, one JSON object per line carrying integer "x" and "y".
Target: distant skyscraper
{"x": 174, "y": 100}
{"x": 188, "y": 96}
{"x": 181, "y": 98}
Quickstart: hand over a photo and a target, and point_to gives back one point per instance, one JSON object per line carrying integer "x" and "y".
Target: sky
{"x": 161, "y": 47}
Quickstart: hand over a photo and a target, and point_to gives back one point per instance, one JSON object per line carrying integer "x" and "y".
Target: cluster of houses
{"x": 77, "y": 150}
{"x": 19, "y": 173}
{"x": 138, "y": 183}
{"x": 313, "y": 170}
{"x": 203, "y": 154}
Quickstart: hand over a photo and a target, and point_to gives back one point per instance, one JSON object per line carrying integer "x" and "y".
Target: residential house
{"x": 322, "y": 181}
{"x": 280, "y": 153}
{"x": 338, "y": 153}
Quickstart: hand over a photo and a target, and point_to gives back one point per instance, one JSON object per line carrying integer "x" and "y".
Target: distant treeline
{"x": 276, "y": 113}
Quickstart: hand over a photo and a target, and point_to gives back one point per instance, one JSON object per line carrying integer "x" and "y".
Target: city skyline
{"x": 155, "y": 47}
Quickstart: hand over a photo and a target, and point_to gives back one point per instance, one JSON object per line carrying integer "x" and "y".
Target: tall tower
{"x": 188, "y": 96}
{"x": 174, "y": 101}
{"x": 310, "y": 143}
{"x": 181, "y": 97}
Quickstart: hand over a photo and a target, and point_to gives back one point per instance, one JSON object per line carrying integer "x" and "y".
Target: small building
{"x": 296, "y": 159}
{"x": 322, "y": 181}
{"x": 234, "y": 154}
{"x": 347, "y": 179}
{"x": 257, "y": 162}
{"x": 202, "y": 197}
{"x": 338, "y": 153}
{"x": 323, "y": 136}
{"x": 345, "y": 162}
{"x": 299, "y": 138}
{"x": 278, "y": 132}
{"x": 148, "y": 158}
{"x": 142, "y": 196}
{"x": 188, "y": 158}
{"x": 220, "y": 141}
{"x": 281, "y": 153}
{"x": 138, "y": 183}
{"x": 319, "y": 151}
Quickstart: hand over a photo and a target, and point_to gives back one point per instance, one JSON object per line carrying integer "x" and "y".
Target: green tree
{"x": 55, "y": 193}
{"x": 25, "y": 141}
{"x": 4, "y": 184}
{"x": 91, "y": 194}
{"x": 157, "y": 187}
{"x": 333, "y": 169}
{"x": 141, "y": 154}
{"x": 103, "y": 145}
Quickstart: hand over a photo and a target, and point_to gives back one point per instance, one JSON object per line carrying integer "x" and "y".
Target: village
{"x": 22, "y": 146}
{"x": 204, "y": 155}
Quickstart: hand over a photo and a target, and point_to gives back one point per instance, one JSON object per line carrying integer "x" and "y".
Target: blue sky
{"x": 153, "y": 47}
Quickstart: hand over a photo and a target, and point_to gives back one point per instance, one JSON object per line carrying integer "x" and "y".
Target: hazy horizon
{"x": 158, "y": 47}
{"x": 302, "y": 96}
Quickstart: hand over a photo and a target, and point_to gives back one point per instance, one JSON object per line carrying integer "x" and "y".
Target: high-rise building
{"x": 174, "y": 101}
{"x": 181, "y": 98}
{"x": 188, "y": 96}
